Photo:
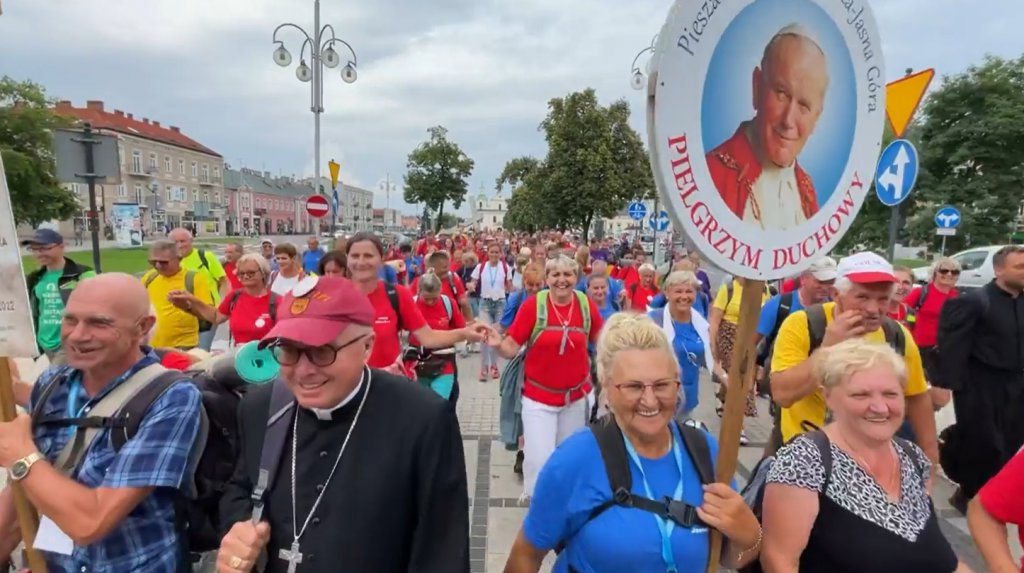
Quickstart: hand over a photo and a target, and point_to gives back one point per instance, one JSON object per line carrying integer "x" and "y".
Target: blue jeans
{"x": 490, "y": 313}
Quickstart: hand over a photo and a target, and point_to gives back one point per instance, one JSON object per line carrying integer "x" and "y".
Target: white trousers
{"x": 544, "y": 427}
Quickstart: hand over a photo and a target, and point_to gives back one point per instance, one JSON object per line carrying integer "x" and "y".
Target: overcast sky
{"x": 484, "y": 69}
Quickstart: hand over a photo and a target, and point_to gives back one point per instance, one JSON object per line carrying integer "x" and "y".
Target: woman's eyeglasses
{"x": 322, "y": 356}
{"x": 663, "y": 389}
{"x": 954, "y": 272}
{"x": 247, "y": 274}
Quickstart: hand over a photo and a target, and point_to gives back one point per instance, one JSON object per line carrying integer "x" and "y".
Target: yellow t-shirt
{"x": 213, "y": 274}
{"x": 791, "y": 348}
{"x": 731, "y": 307}
{"x": 175, "y": 328}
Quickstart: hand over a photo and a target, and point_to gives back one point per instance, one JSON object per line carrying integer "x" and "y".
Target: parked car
{"x": 975, "y": 264}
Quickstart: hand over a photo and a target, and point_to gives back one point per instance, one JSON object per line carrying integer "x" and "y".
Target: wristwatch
{"x": 19, "y": 469}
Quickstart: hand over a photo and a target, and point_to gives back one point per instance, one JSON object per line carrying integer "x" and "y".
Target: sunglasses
{"x": 953, "y": 272}
{"x": 157, "y": 262}
{"x": 247, "y": 274}
{"x": 322, "y": 356}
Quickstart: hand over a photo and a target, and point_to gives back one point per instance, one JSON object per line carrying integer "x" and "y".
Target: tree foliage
{"x": 971, "y": 148}
{"x": 870, "y": 229}
{"x": 596, "y": 163}
{"x": 26, "y": 146}
{"x": 437, "y": 174}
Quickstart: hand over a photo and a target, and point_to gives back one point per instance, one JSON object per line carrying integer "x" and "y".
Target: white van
{"x": 975, "y": 264}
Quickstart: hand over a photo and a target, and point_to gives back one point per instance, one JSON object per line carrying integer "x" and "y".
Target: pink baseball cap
{"x": 867, "y": 267}
{"x": 317, "y": 311}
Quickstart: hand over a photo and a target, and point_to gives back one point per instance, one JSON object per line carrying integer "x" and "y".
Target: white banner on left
{"x": 17, "y": 334}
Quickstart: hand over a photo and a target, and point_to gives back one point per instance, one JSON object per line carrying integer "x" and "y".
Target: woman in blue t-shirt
{"x": 689, "y": 334}
{"x": 640, "y": 377}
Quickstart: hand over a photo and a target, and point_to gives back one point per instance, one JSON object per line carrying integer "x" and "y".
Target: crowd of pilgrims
{"x": 599, "y": 356}
{"x": 588, "y": 329}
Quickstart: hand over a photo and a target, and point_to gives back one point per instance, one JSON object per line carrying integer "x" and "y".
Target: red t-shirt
{"x": 926, "y": 326}
{"x": 628, "y": 275}
{"x": 543, "y": 363}
{"x": 421, "y": 248}
{"x": 230, "y": 269}
{"x": 174, "y": 360}
{"x": 900, "y": 314}
{"x": 386, "y": 345}
{"x": 1001, "y": 496}
{"x": 446, "y": 286}
{"x": 437, "y": 319}
{"x": 250, "y": 319}
{"x": 641, "y": 297}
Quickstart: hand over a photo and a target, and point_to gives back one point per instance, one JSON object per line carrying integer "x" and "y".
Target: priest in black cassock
{"x": 981, "y": 359}
{"x": 378, "y": 484}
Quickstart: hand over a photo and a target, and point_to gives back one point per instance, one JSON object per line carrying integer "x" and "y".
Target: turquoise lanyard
{"x": 665, "y": 526}
{"x": 73, "y": 411}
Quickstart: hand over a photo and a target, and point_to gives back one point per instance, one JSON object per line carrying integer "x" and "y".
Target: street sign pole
{"x": 894, "y": 227}
{"x": 942, "y": 250}
{"x": 655, "y": 213}
{"x": 90, "y": 175}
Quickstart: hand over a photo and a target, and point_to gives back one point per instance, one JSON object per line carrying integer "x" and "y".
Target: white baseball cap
{"x": 824, "y": 269}
{"x": 866, "y": 267}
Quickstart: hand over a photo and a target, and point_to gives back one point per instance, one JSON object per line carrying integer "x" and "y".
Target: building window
{"x": 167, "y": 164}
{"x": 181, "y": 167}
{"x": 195, "y": 169}
{"x": 195, "y": 195}
{"x": 122, "y": 192}
{"x": 206, "y": 173}
{"x": 170, "y": 193}
{"x": 216, "y": 172}
{"x": 206, "y": 197}
{"x": 138, "y": 194}
{"x": 136, "y": 162}
{"x": 152, "y": 162}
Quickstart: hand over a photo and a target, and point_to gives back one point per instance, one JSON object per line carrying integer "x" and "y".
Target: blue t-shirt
{"x": 388, "y": 274}
{"x": 573, "y": 482}
{"x": 700, "y": 304}
{"x": 311, "y": 260}
{"x": 770, "y": 312}
{"x": 512, "y": 304}
{"x": 689, "y": 350}
{"x": 615, "y": 287}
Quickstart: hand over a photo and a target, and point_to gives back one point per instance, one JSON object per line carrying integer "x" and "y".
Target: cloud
{"x": 485, "y": 70}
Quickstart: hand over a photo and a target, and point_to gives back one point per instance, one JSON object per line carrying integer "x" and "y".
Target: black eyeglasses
{"x": 322, "y": 356}
{"x": 954, "y": 272}
{"x": 157, "y": 263}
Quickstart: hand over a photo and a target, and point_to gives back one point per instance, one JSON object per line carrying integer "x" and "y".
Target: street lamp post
{"x": 321, "y": 53}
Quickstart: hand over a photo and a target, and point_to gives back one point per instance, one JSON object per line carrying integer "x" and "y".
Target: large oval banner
{"x": 765, "y": 126}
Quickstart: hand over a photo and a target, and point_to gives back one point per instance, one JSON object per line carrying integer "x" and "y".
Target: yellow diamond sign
{"x": 335, "y": 169}
{"x": 902, "y": 98}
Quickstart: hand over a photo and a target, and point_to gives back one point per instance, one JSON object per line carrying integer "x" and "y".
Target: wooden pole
{"x": 741, "y": 382}
{"x": 28, "y": 521}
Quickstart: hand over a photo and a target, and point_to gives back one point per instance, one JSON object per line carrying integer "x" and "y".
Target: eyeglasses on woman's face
{"x": 954, "y": 272}
{"x": 662, "y": 389}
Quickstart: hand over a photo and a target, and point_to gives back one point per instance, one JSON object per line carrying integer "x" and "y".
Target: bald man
{"x": 202, "y": 262}
{"x": 756, "y": 170}
{"x": 115, "y": 510}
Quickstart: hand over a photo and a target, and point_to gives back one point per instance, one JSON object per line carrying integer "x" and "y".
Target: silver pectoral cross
{"x": 293, "y": 556}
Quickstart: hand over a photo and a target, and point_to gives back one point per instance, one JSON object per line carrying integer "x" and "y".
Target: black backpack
{"x": 817, "y": 323}
{"x": 617, "y": 465}
{"x": 218, "y": 438}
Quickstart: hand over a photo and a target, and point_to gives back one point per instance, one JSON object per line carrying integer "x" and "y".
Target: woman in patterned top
{"x": 853, "y": 497}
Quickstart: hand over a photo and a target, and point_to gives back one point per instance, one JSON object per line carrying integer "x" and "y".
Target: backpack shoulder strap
{"x": 101, "y": 416}
{"x": 616, "y": 462}
{"x": 584, "y": 303}
{"x": 817, "y": 322}
{"x": 134, "y": 409}
{"x": 696, "y": 444}
{"x": 282, "y": 403}
{"x": 785, "y": 306}
{"x": 203, "y": 263}
{"x": 396, "y": 305}
{"x": 273, "y": 307}
{"x": 730, "y": 287}
{"x": 190, "y": 282}
{"x": 148, "y": 278}
{"x": 921, "y": 296}
{"x": 40, "y": 404}
{"x": 821, "y": 441}
{"x": 447, "y": 306}
{"x": 894, "y": 335}
{"x": 542, "y": 316}
{"x": 908, "y": 449}
{"x": 235, "y": 295}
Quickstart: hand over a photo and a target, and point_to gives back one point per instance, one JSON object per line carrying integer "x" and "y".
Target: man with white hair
{"x": 756, "y": 170}
{"x": 863, "y": 286}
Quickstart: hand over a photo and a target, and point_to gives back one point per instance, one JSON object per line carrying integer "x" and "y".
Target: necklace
{"x": 565, "y": 323}
{"x": 294, "y": 556}
{"x": 891, "y": 482}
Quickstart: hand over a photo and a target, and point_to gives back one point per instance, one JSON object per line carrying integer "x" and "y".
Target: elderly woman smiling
{"x": 640, "y": 375}
{"x": 852, "y": 497}
{"x": 688, "y": 333}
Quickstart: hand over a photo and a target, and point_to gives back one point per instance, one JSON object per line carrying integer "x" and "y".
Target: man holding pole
{"x": 101, "y": 509}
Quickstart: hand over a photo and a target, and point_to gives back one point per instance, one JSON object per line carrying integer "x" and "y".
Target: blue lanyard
{"x": 665, "y": 526}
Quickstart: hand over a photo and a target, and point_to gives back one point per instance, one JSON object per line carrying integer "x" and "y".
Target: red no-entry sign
{"x": 317, "y": 206}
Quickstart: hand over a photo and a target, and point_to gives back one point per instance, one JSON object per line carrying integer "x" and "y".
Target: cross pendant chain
{"x": 293, "y": 556}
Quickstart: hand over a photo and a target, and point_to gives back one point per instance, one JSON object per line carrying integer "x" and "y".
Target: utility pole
{"x": 90, "y": 175}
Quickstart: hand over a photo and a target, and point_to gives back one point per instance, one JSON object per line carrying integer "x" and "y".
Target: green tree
{"x": 526, "y": 211}
{"x": 596, "y": 162}
{"x": 437, "y": 173}
{"x": 26, "y": 146}
{"x": 971, "y": 148}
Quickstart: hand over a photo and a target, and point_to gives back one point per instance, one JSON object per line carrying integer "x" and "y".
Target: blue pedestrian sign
{"x": 659, "y": 223}
{"x": 947, "y": 218}
{"x": 637, "y": 211}
{"x": 896, "y": 172}
{"x": 334, "y": 201}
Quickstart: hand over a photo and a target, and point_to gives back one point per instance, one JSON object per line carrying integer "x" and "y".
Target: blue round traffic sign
{"x": 947, "y": 217}
{"x": 659, "y": 223}
{"x": 896, "y": 172}
{"x": 637, "y": 211}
